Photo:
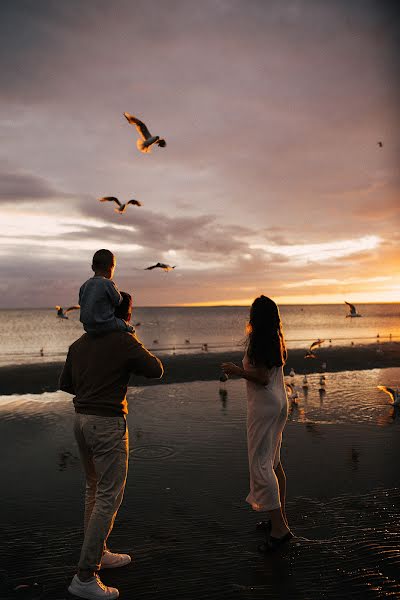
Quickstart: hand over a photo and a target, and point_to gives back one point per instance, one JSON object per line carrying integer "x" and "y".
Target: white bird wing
{"x": 74, "y": 307}
{"x": 352, "y": 307}
{"x": 140, "y": 126}
{"x": 388, "y": 390}
{"x": 316, "y": 344}
{"x": 110, "y": 199}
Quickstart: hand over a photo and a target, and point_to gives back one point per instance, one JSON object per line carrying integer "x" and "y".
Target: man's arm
{"x": 65, "y": 383}
{"x": 140, "y": 361}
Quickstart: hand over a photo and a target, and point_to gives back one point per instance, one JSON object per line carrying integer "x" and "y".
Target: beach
{"x": 184, "y": 517}
{"x": 40, "y": 377}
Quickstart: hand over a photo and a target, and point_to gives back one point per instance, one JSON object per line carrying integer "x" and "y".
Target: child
{"x": 99, "y": 297}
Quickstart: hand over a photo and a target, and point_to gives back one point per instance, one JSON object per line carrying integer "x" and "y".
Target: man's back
{"x": 98, "y": 368}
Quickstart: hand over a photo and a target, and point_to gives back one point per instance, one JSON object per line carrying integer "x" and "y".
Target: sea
{"x": 38, "y": 335}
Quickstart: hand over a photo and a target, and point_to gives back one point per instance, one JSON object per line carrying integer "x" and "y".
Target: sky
{"x": 272, "y": 180}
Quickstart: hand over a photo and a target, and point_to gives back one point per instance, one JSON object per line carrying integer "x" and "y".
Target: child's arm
{"x": 113, "y": 293}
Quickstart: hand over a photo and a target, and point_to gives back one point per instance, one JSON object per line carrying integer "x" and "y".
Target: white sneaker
{"x": 92, "y": 589}
{"x": 111, "y": 560}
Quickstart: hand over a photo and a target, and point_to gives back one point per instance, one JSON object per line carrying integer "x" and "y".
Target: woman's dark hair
{"x": 124, "y": 310}
{"x": 265, "y": 342}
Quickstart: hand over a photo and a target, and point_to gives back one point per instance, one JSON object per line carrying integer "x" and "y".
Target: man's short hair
{"x": 103, "y": 259}
{"x": 124, "y": 310}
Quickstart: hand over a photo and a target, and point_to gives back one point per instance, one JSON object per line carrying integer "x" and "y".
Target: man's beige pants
{"x": 103, "y": 446}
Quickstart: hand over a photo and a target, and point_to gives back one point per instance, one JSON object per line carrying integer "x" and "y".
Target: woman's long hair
{"x": 265, "y": 342}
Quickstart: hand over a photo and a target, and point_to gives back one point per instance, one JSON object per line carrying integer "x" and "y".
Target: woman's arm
{"x": 256, "y": 374}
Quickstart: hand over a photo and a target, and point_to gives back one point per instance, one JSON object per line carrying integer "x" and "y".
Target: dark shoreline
{"x": 181, "y": 368}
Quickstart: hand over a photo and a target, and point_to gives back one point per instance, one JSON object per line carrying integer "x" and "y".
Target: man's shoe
{"x": 93, "y": 589}
{"x": 111, "y": 560}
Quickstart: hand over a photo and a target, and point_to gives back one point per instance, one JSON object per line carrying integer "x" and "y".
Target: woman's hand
{"x": 232, "y": 369}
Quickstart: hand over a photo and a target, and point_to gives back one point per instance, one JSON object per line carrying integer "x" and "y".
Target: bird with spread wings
{"x": 352, "y": 310}
{"x": 146, "y": 140}
{"x": 121, "y": 207}
{"x": 394, "y": 394}
{"x": 310, "y": 353}
{"x": 62, "y": 314}
{"x": 159, "y": 265}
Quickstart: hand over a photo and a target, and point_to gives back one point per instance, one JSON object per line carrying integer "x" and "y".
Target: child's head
{"x": 103, "y": 263}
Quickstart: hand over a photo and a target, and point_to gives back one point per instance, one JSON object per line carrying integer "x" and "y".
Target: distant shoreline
{"x": 281, "y": 304}
{"x": 182, "y": 368}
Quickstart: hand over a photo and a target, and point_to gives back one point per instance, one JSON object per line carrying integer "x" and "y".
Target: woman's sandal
{"x": 274, "y": 543}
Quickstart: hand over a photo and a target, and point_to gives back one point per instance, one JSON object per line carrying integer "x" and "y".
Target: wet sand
{"x": 41, "y": 377}
{"x": 184, "y": 516}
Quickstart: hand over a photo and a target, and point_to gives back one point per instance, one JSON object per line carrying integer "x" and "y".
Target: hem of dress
{"x": 260, "y": 508}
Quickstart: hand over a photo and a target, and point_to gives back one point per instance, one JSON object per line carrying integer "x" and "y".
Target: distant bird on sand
{"x": 292, "y": 372}
{"x": 62, "y": 314}
{"x": 380, "y": 144}
{"x": 147, "y": 140}
{"x": 394, "y": 394}
{"x": 352, "y": 310}
{"x": 310, "y": 353}
{"x": 305, "y": 381}
{"x": 322, "y": 381}
{"x": 121, "y": 207}
{"x": 162, "y": 266}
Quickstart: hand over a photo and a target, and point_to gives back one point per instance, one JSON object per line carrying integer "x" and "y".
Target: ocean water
{"x": 25, "y": 332}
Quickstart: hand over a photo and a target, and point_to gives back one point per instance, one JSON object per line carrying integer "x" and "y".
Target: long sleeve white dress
{"x": 267, "y": 411}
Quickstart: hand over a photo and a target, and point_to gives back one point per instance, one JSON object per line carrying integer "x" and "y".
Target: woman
{"x": 267, "y": 412}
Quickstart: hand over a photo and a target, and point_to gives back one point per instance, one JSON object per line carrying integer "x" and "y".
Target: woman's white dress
{"x": 267, "y": 411}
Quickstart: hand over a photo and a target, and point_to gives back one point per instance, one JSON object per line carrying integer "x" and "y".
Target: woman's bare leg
{"x": 280, "y": 474}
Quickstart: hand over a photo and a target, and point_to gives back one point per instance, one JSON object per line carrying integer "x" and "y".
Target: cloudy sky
{"x": 272, "y": 180}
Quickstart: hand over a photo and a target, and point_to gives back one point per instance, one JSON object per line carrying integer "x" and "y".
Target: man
{"x": 97, "y": 371}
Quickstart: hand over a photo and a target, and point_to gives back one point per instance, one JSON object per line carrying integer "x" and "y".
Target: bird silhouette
{"x": 380, "y": 144}
{"x": 310, "y": 353}
{"x": 394, "y": 394}
{"x": 159, "y": 265}
{"x": 62, "y": 314}
{"x": 147, "y": 140}
{"x": 352, "y": 310}
{"x": 121, "y": 207}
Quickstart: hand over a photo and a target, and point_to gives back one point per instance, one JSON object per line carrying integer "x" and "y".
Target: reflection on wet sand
{"x": 184, "y": 507}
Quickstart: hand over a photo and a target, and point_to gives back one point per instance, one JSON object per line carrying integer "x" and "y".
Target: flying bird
{"x": 147, "y": 140}
{"x": 310, "y": 353}
{"x": 62, "y": 314}
{"x": 380, "y": 144}
{"x": 121, "y": 207}
{"x": 352, "y": 310}
{"x": 394, "y": 394}
{"x": 162, "y": 266}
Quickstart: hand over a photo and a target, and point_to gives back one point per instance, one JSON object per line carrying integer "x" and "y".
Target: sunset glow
{"x": 272, "y": 180}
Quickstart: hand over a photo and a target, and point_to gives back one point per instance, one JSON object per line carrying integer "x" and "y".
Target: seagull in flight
{"x": 121, "y": 207}
{"x": 159, "y": 265}
{"x": 146, "y": 140}
{"x": 394, "y": 394}
{"x": 310, "y": 353}
{"x": 62, "y": 314}
{"x": 352, "y": 310}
